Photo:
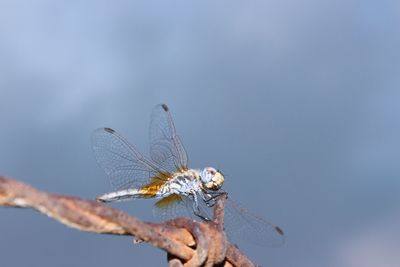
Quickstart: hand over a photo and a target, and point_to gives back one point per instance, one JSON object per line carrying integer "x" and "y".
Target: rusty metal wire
{"x": 187, "y": 242}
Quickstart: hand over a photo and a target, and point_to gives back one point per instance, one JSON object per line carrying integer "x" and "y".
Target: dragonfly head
{"x": 211, "y": 178}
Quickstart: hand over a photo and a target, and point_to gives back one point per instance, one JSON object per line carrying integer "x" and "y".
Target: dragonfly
{"x": 166, "y": 177}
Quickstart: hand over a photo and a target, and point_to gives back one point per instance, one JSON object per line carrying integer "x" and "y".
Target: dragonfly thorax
{"x": 211, "y": 178}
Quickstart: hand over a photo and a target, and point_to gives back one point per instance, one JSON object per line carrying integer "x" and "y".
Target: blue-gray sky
{"x": 296, "y": 101}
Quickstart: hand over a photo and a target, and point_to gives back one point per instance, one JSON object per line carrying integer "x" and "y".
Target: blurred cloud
{"x": 373, "y": 244}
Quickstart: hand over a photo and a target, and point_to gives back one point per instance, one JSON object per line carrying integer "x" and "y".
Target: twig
{"x": 187, "y": 242}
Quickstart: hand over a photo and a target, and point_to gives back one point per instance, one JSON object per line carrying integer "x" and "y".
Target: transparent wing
{"x": 241, "y": 224}
{"x": 166, "y": 148}
{"x": 179, "y": 206}
{"x": 172, "y": 207}
{"x": 124, "y": 165}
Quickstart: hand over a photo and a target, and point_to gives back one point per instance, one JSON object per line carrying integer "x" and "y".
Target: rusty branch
{"x": 187, "y": 242}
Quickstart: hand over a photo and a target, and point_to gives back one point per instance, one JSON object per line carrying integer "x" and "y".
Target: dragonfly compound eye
{"x": 216, "y": 182}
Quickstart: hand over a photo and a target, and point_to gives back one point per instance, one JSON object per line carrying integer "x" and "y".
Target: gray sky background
{"x": 296, "y": 101}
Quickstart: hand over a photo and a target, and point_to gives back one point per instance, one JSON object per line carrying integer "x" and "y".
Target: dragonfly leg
{"x": 197, "y": 211}
{"x": 201, "y": 216}
{"x": 211, "y": 198}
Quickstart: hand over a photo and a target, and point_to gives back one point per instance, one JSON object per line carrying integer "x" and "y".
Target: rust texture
{"x": 187, "y": 242}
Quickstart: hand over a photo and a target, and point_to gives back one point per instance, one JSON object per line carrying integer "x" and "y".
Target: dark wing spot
{"x": 165, "y": 107}
{"x": 279, "y": 230}
{"x": 109, "y": 130}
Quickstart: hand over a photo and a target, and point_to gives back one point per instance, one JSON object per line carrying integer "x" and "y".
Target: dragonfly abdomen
{"x": 124, "y": 195}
